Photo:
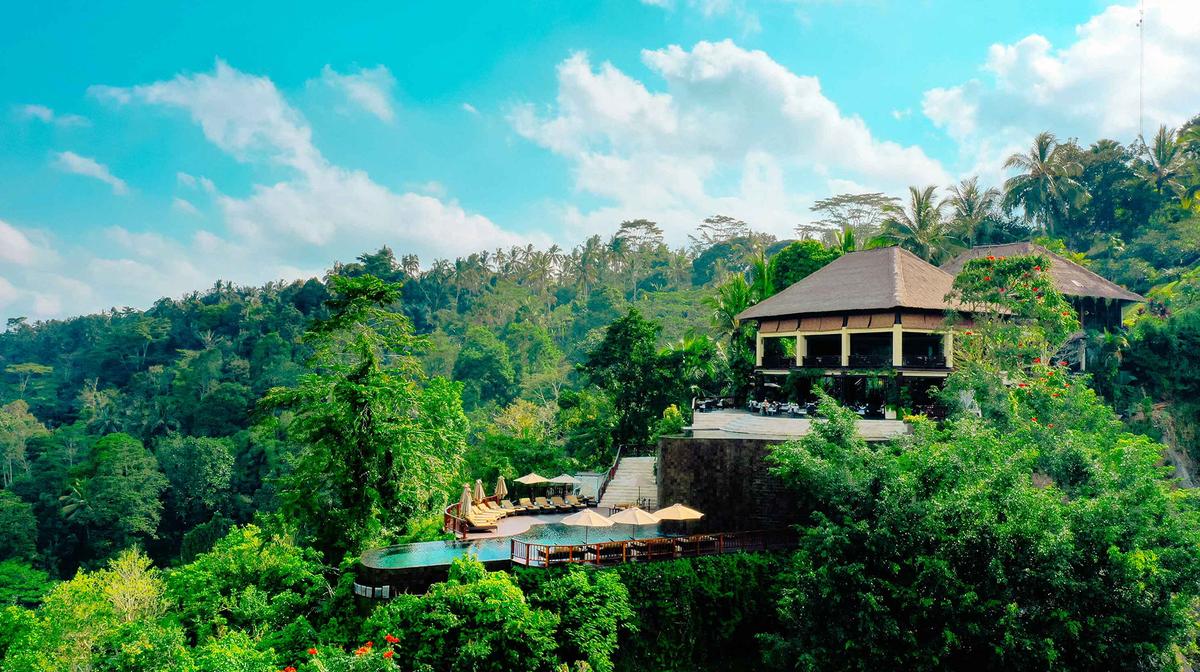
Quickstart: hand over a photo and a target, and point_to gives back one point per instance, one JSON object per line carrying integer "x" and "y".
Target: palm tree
{"x": 732, "y": 297}
{"x": 921, "y": 228}
{"x": 1046, "y": 188}
{"x": 972, "y": 207}
{"x": 1164, "y": 161}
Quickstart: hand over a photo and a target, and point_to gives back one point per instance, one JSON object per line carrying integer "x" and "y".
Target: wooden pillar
{"x": 948, "y": 348}
{"x": 845, "y": 347}
{"x": 758, "y": 349}
{"x": 897, "y": 345}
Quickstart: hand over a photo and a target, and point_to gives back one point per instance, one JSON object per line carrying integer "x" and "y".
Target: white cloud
{"x": 290, "y": 228}
{"x": 1087, "y": 88}
{"x": 15, "y": 247}
{"x": 71, "y": 162}
{"x": 48, "y": 116}
{"x": 192, "y": 182}
{"x": 8, "y": 293}
{"x": 467, "y": 107}
{"x": 900, "y": 115}
{"x": 737, "y": 10}
{"x": 733, "y": 132}
{"x": 369, "y": 88}
{"x": 185, "y": 206}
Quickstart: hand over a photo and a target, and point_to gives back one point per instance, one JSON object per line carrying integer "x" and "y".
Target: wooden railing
{"x": 646, "y": 550}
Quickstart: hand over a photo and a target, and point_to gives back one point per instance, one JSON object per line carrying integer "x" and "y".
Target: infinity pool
{"x": 434, "y": 553}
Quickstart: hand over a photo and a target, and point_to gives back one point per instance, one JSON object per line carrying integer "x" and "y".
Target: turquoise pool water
{"x": 433, "y": 553}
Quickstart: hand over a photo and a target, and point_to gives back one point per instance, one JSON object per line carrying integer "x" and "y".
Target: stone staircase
{"x": 634, "y": 481}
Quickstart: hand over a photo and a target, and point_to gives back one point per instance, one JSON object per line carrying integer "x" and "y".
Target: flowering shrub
{"x": 1019, "y": 317}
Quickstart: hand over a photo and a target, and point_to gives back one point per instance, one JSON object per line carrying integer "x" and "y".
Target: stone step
{"x": 634, "y": 480}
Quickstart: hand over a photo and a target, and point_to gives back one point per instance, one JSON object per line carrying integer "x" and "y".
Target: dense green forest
{"x": 183, "y": 486}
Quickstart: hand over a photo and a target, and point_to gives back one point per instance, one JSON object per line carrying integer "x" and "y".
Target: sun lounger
{"x": 484, "y": 514}
{"x": 476, "y": 525}
{"x": 493, "y": 506}
{"x": 508, "y": 506}
{"x": 560, "y": 504}
{"x": 544, "y": 504}
{"x": 530, "y": 506}
{"x": 574, "y": 501}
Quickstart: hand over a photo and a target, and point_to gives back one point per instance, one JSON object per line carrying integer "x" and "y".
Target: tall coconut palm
{"x": 920, "y": 228}
{"x": 1164, "y": 161}
{"x": 972, "y": 207}
{"x": 1047, "y": 186}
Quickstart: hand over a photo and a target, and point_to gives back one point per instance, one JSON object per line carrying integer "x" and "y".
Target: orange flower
{"x": 312, "y": 652}
{"x": 1035, "y": 419}
{"x": 987, "y": 278}
{"x": 391, "y": 639}
{"x": 289, "y": 668}
{"x": 1037, "y": 268}
{"x": 1050, "y": 424}
{"x": 991, "y": 258}
{"x": 388, "y": 654}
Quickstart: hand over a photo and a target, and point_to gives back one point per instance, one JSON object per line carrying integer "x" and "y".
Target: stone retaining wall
{"x": 725, "y": 478}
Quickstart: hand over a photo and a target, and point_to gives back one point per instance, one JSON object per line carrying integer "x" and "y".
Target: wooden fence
{"x": 645, "y": 550}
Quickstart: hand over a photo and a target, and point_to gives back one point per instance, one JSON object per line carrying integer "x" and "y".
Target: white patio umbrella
{"x": 564, "y": 480}
{"x": 585, "y": 519}
{"x": 532, "y": 478}
{"x": 634, "y": 516}
{"x": 677, "y": 512}
{"x": 479, "y": 493}
{"x": 501, "y": 488}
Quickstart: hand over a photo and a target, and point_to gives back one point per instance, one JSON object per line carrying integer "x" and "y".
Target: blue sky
{"x": 147, "y": 149}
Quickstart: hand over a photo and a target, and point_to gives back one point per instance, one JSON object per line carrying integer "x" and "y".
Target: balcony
{"x": 777, "y": 361}
{"x": 870, "y": 360}
{"x": 823, "y": 361}
{"x": 925, "y": 361}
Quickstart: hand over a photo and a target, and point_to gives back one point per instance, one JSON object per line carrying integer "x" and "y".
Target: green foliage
{"x": 18, "y": 528}
{"x": 671, "y": 423}
{"x": 593, "y": 610}
{"x": 21, "y": 584}
{"x": 698, "y": 614}
{"x": 200, "y": 471}
{"x": 484, "y": 366}
{"x": 119, "y": 504}
{"x": 255, "y": 581}
{"x": 797, "y": 261}
{"x": 109, "y": 619}
{"x": 1019, "y": 316}
{"x": 477, "y": 621}
{"x": 380, "y": 444}
{"x": 1052, "y": 541}
{"x": 641, "y": 381}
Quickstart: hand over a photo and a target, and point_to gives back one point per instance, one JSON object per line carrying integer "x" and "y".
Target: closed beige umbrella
{"x": 464, "y": 506}
{"x": 678, "y": 512}
{"x": 634, "y": 516}
{"x": 479, "y": 493}
{"x": 501, "y": 488}
{"x": 585, "y": 519}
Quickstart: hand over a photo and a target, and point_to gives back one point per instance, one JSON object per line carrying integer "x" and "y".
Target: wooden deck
{"x": 648, "y": 550}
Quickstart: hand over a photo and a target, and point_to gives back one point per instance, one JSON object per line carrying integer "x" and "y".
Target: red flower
{"x": 991, "y": 258}
{"x": 1066, "y": 314}
{"x": 369, "y": 644}
{"x": 362, "y": 651}
{"x": 391, "y": 639}
{"x": 289, "y": 668}
{"x": 1049, "y": 424}
{"x": 1037, "y": 360}
{"x": 1035, "y": 419}
{"x": 987, "y": 278}
{"x": 1020, "y": 384}
{"x": 1037, "y": 268}
{"x": 1002, "y": 290}
{"x": 1056, "y": 394}
{"x": 970, "y": 333}
{"x": 388, "y": 654}
{"x": 312, "y": 652}
{"x": 1062, "y": 362}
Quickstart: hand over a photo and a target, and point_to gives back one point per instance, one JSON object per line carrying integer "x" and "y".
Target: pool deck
{"x": 514, "y": 525}
{"x": 734, "y": 423}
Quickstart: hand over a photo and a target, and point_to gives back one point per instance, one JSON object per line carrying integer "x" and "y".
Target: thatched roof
{"x": 880, "y": 279}
{"x": 1069, "y": 277}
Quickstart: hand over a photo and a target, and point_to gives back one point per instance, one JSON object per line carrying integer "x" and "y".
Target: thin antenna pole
{"x": 1142, "y": 70}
